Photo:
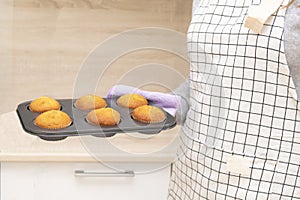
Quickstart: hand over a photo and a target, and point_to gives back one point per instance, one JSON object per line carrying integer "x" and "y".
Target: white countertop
{"x": 18, "y": 146}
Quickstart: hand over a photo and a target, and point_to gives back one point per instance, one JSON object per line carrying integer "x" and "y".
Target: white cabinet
{"x": 56, "y": 181}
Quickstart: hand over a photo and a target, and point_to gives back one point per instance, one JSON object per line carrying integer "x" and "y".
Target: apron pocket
{"x": 237, "y": 175}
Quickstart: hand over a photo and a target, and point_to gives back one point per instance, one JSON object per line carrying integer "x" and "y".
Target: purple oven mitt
{"x": 168, "y": 102}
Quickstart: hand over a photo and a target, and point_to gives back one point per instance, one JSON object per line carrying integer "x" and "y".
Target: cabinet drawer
{"x": 49, "y": 181}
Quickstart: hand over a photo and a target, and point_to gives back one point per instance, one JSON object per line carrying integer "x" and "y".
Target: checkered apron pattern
{"x": 241, "y": 137}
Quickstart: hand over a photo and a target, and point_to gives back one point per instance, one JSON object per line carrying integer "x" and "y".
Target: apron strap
{"x": 259, "y": 14}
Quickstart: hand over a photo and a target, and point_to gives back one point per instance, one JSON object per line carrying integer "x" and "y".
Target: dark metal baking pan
{"x": 81, "y": 127}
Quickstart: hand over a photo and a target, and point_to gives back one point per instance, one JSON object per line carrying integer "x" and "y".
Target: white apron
{"x": 245, "y": 142}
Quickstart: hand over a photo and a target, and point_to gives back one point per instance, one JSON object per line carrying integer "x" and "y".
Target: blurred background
{"x": 44, "y": 42}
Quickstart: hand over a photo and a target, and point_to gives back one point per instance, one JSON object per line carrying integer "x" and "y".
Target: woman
{"x": 241, "y": 135}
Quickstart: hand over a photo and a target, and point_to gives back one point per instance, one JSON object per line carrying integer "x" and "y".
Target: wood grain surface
{"x": 44, "y": 42}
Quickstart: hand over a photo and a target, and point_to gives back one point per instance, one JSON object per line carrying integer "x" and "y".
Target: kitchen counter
{"x": 43, "y": 45}
{"x": 18, "y": 146}
{"x": 42, "y": 39}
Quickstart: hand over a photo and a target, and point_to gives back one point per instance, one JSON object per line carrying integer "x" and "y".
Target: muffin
{"x": 43, "y": 104}
{"x": 103, "y": 116}
{"x": 132, "y": 100}
{"x": 53, "y": 119}
{"x": 148, "y": 114}
{"x": 90, "y": 102}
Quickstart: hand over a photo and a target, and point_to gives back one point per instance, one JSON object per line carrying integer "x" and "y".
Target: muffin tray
{"x": 81, "y": 127}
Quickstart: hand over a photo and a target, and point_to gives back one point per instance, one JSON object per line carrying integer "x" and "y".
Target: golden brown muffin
{"x": 43, "y": 104}
{"x": 90, "y": 102}
{"x": 148, "y": 114}
{"x": 132, "y": 100}
{"x": 53, "y": 119}
{"x": 103, "y": 116}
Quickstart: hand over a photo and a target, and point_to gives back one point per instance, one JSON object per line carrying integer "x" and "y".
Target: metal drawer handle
{"x": 82, "y": 173}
